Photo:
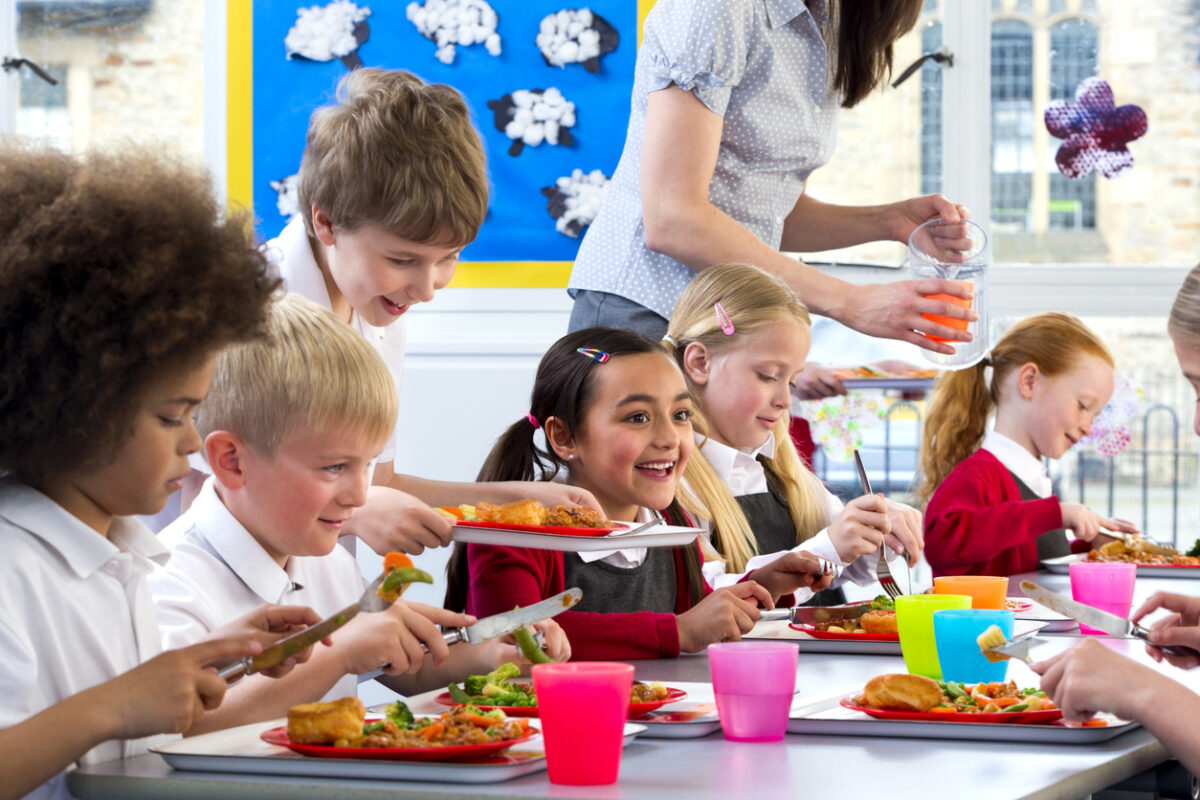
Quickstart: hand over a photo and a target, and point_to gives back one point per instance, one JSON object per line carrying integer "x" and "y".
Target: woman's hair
{"x": 963, "y": 400}
{"x": 117, "y": 270}
{"x": 309, "y": 371}
{"x": 752, "y": 299}
{"x": 1184, "y": 322}
{"x": 866, "y": 31}
{"x": 564, "y": 388}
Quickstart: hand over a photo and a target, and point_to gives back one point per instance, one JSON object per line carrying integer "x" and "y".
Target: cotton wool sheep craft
{"x": 532, "y": 116}
{"x": 288, "y": 197}
{"x": 323, "y": 33}
{"x": 454, "y": 23}
{"x": 576, "y": 36}
{"x": 574, "y": 200}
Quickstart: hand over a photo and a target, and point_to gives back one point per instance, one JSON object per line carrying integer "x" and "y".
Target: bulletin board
{"x": 518, "y": 245}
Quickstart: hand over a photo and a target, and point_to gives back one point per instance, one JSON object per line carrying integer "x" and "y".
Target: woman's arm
{"x": 679, "y": 154}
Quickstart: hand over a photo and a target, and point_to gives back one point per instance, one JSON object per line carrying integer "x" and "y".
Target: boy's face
{"x": 379, "y": 274}
{"x": 152, "y": 463}
{"x": 296, "y": 503}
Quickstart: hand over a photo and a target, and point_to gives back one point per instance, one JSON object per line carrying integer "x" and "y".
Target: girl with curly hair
{"x": 120, "y": 277}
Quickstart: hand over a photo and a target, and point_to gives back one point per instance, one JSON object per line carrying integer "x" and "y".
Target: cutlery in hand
{"x": 1100, "y": 620}
{"x": 882, "y": 572}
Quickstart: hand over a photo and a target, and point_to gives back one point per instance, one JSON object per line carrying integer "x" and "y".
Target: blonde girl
{"x": 741, "y": 337}
{"x": 616, "y": 415}
{"x": 989, "y": 505}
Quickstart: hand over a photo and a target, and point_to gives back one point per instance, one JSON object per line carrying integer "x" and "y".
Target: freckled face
{"x": 636, "y": 436}
{"x": 748, "y": 387}
{"x": 1066, "y": 404}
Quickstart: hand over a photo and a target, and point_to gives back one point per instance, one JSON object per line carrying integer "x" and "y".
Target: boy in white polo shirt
{"x": 119, "y": 278}
{"x": 291, "y": 427}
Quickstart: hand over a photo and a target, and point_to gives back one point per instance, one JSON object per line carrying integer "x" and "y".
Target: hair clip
{"x": 532, "y": 419}
{"x": 723, "y": 318}
{"x": 598, "y": 356}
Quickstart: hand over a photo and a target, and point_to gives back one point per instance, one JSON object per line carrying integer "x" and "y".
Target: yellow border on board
{"x": 239, "y": 121}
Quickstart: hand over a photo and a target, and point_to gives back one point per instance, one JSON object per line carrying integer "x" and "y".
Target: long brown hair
{"x": 753, "y": 299}
{"x": 866, "y": 32}
{"x": 963, "y": 400}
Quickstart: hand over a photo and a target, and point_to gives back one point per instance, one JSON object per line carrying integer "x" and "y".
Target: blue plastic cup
{"x": 955, "y": 631}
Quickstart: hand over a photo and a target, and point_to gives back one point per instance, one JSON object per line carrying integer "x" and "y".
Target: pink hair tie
{"x": 532, "y": 419}
{"x": 724, "y": 320}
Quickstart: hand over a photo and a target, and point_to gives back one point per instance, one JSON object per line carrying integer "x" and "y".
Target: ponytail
{"x": 954, "y": 425}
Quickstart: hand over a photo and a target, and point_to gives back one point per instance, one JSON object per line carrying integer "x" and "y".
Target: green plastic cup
{"x": 914, "y": 622}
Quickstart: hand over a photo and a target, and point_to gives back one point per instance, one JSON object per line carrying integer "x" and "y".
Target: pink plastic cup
{"x": 753, "y": 683}
{"x": 1103, "y": 585}
{"x": 582, "y": 706}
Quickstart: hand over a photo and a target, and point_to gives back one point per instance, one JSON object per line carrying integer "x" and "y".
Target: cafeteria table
{"x": 710, "y": 767}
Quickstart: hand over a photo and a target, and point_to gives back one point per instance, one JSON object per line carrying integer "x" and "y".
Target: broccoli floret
{"x": 884, "y": 603}
{"x": 504, "y": 673}
{"x": 398, "y": 713}
{"x": 473, "y": 685}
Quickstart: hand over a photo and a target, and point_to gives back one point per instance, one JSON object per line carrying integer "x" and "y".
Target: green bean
{"x": 1017, "y": 707}
{"x": 954, "y": 689}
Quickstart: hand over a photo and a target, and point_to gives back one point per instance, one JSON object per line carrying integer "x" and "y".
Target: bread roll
{"x": 878, "y": 621}
{"x": 902, "y": 692}
{"x": 327, "y": 723}
{"x": 522, "y": 512}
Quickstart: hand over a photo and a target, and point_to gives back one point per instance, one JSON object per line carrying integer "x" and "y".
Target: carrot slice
{"x": 941, "y": 710}
{"x": 1005, "y": 702}
{"x": 453, "y": 511}
{"x": 432, "y": 731}
{"x": 396, "y": 560}
{"x": 1095, "y": 723}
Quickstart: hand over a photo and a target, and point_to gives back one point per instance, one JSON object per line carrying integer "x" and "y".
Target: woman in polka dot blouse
{"x": 733, "y": 108}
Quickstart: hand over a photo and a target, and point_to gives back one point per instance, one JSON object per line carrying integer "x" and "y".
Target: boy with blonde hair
{"x": 291, "y": 428}
{"x": 392, "y": 186}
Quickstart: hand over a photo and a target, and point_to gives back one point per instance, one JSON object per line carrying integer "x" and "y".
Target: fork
{"x": 882, "y": 572}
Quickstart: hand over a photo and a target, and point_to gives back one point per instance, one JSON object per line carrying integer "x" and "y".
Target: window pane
{"x": 1012, "y": 123}
{"x": 931, "y": 113}
{"x": 1072, "y": 59}
{"x": 128, "y": 70}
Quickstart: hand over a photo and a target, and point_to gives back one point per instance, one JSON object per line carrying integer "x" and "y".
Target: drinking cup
{"x": 753, "y": 683}
{"x": 957, "y": 252}
{"x": 582, "y": 706}
{"x": 956, "y": 631}
{"x": 914, "y": 622}
{"x": 986, "y": 591}
{"x": 1103, "y": 585}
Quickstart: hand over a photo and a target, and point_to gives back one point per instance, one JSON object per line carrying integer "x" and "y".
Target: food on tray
{"x": 879, "y": 621}
{"x": 904, "y": 692}
{"x": 992, "y": 637}
{"x": 868, "y": 371}
{"x": 529, "y": 512}
{"x": 1133, "y": 552}
{"x": 497, "y": 689}
{"x": 883, "y": 602}
{"x": 342, "y": 724}
{"x": 324, "y": 723}
{"x": 399, "y": 573}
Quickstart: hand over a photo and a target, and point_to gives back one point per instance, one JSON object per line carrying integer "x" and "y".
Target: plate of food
{"x": 497, "y": 691}
{"x": 340, "y": 729}
{"x": 902, "y": 696}
{"x": 1148, "y": 565}
{"x": 1017, "y": 604}
{"x": 868, "y": 621}
{"x": 531, "y": 516}
{"x": 867, "y": 376}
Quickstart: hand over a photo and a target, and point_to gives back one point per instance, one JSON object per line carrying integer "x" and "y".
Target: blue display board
{"x": 518, "y": 226}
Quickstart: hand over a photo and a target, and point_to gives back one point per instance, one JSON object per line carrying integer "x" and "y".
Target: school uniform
{"x": 630, "y": 596}
{"x": 217, "y": 572}
{"x": 767, "y": 512}
{"x": 994, "y": 514}
{"x": 291, "y": 253}
{"x": 77, "y": 611}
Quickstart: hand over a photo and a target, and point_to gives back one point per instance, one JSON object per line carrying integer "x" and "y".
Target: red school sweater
{"x": 501, "y": 577}
{"x": 977, "y": 524}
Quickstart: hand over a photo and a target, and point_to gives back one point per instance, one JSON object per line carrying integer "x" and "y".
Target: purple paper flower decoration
{"x": 1094, "y": 133}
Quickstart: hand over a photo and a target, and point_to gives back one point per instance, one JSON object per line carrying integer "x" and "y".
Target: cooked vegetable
{"x": 529, "y": 647}
{"x": 398, "y": 713}
{"x": 496, "y": 688}
{"x": 883, "y": 602}
{"x": 400, "y": 573}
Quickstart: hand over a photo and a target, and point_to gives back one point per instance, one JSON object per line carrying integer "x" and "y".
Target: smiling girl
{"x": 616, "y": 414}
{"x": 990, "y": 506}
{"x": 741, "y": 337}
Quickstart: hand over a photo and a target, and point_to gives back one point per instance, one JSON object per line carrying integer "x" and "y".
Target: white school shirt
{"x": 743, "y": 474}
{"x": 1019, "y": 461}
{"x": 218, "y": 571}
{"x": 77, "y": 611}
{"x": 291, "y": 253}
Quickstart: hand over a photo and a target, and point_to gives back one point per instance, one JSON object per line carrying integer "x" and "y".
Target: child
{"x": 1091, "y": 677}
{"x": 617, "y": 420}
{"x": 120, "y": 276}
{"x": 990, "y": 507}
{"x": 741, "y": 336}
{"x": 290, "y": 428}
{"x": 392, "y": 186}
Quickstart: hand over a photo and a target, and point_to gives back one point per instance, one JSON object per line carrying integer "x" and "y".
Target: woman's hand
{"x": 906, "y": 216}
{"x": 894, "y": 311}
{"x": 552, "y": 494}
{"x": 393, "y": 520}
{"x": 722, "y": 616}
{"x": 792, "y": 571}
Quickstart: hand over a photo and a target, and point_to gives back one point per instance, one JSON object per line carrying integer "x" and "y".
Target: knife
{"x": 810, "y": 615}
{"x": 1101, "y": 620}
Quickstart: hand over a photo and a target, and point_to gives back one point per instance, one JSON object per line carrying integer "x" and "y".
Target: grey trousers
{"x": 613, "y": 311}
